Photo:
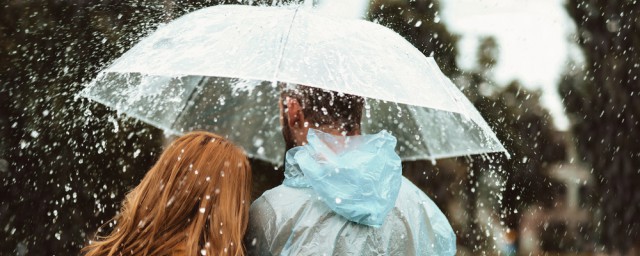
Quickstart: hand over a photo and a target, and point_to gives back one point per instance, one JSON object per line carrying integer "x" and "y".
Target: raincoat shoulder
{"x": 295, "y": 221}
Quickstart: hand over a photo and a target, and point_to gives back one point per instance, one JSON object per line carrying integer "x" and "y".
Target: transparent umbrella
{"x": 216, "y": 69}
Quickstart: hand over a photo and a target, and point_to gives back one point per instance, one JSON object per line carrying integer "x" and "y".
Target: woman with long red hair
{"x": 194, "y": 201}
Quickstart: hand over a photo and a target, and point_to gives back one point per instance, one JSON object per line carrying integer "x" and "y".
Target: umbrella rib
{"x": 186, "y": 103}
{"x": 284, "y": 46}
{"x": 421, "y": 129}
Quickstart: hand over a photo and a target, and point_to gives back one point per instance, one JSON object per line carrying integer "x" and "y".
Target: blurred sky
{"x": 533, "y": 36}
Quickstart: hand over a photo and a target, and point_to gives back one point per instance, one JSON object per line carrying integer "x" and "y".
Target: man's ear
{"x": 295, "y": 117}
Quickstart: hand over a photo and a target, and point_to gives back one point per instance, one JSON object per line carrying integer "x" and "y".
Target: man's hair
{"x": 323, "y": 107}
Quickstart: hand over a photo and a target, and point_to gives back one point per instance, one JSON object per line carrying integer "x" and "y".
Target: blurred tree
{"x": 526, "y": 130}
{"x": 487, "y": 54}
{"x": 420, "y": 23}
{"x": 513, "y": 112}
{"x": 603, "y": 103}
{"x": 70, "y": 162}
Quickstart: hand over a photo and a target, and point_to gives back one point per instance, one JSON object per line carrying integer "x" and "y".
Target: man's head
{"x": 303, "y": 107}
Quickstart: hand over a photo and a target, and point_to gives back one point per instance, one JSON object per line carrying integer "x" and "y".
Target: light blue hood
{"x": 358, "y": 177}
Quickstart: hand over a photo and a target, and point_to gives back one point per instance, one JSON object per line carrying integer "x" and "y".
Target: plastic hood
{"x": 358, "y": 177}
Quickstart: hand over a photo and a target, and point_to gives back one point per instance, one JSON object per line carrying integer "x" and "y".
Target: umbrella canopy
{"x": 216, "y": 68}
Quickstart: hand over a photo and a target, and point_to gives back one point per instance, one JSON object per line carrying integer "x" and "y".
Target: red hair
{"x": 194, "y": 201}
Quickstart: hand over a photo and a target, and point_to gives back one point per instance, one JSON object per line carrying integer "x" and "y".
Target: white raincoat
{"x": 353, "y": 202}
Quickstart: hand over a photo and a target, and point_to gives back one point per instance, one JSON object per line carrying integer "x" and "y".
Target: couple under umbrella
{"x": 353, "y": 99}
